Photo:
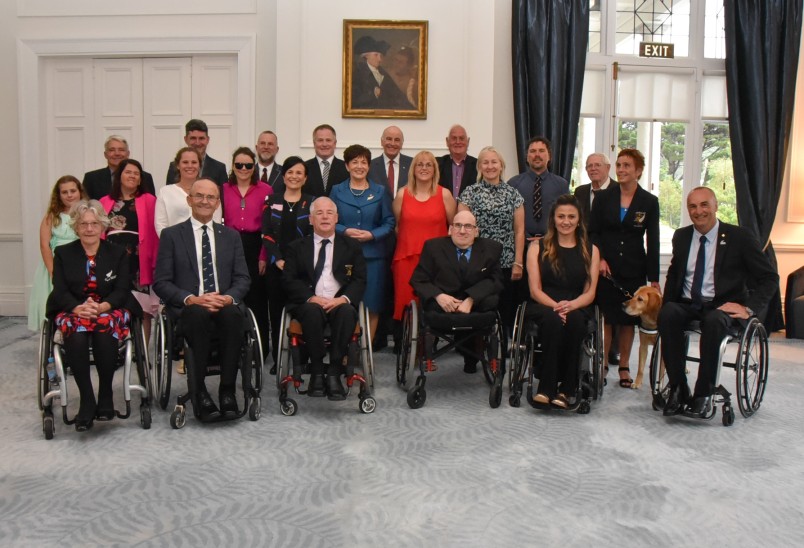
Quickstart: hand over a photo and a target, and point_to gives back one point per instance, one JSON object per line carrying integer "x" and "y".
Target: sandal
{"x": 628, "y": 381}
{"x": 541, "y": 399}
{"x": 560, "y": 402}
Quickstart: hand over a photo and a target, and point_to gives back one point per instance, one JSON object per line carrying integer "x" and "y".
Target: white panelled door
{"x": 146, "y": 100}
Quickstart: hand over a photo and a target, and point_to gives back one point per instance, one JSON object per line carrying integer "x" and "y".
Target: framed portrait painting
{"x": 384, "y": 69}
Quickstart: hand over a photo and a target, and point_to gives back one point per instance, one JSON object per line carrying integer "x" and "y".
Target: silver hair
{"x": 111, "y": 138}
{"x": 79, "y": 208}
{"x": 600, "y": 155}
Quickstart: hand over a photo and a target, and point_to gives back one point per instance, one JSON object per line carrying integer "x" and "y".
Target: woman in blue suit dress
{"x": 365, "y": 214}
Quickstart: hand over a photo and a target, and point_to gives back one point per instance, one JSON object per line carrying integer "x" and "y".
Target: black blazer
{"x": 437, "y": 271}
{"x": 315, "y": 184}
{"x": 622, "y": 243}
{"x": 176, "y": 275}
{"x": 98, "y": 183}
{"x": 743, "y": 274}
{"x": 70, "y": 276}
{"x": 445, "y": 172}
{"x": 582, "y": 195}
{"x": 378, "y": 175}
{"x": 211, "y": 169}
{"x": 272, "y": 224}
{"x": 348, "y": 267}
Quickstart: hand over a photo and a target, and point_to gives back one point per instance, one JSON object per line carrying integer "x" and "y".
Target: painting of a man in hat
{"x": 372, "y": 86}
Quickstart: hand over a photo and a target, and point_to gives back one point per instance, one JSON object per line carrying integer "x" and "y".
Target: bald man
{"x": 391, "y": 168}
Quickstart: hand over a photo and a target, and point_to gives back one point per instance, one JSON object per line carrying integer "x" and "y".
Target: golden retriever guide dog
{"x": 645, "y": 304}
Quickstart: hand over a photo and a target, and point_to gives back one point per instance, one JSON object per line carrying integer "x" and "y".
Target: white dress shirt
{"x": 197, "y": 235}
{"x": 327, "y": 285}
{"x": 708, "y": 287}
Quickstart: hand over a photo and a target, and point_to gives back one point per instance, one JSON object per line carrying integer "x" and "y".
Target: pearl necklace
{"x": 355, "y": 194}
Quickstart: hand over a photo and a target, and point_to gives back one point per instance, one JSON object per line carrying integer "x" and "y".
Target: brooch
{"x": 639, "y": 217}
{"x": 110, "y": 276}
{"x": 348, "y": 270}
{"x": 370, "y": 196}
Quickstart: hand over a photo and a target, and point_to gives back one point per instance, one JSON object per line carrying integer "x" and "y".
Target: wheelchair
{"x": 170, "y": 345}
{"x": 526, "y": 350}
{"x": 293, "y": 362}
{"x": 52, "y": 381}
{"x": 423, "y": 331}
{"x": 750, "y": 365}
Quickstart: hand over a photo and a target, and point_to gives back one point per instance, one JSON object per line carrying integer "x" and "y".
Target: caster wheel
{"x": 368, "y": 405}
{"x": 657, "y": 403}
{"x": 514, "y": 400}
{"x": 288, "y": 407}
{"x": 584, "y": 408}
{"x": 145, "y": 418}
{"x": 416, "y": 397}
{"x": 254, "y": 409}
{"x": 495, "y": 395}
{"x": 177, "y": 419}
{"x": 48, "y": 427}
{"x": 728, "y": 416}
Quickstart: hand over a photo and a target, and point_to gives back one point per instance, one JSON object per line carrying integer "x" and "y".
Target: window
{"x": 665, "y": 21}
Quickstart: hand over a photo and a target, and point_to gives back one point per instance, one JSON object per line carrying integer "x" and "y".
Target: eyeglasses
{"x": 463, "y": 226}
{"x": 240, "y": 165}
{"x": 205, "y": 197}
{"x": 91, "y": 224}
{"x": 428, "y": 165}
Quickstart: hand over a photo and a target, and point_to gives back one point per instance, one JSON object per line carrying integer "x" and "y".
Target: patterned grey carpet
{"x": 454, "y": 473}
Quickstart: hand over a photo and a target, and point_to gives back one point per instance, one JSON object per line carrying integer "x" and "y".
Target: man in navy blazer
{"x": 98, "y": 183}
{"x": 180, "y": 282}
{"x": 324, "y": 141}
{"x": 328, "y": 292}
{"x": 196, "y": 135}
{"x": 735, "y": 283}
{"x": 269, "y": 169}
{"x": 391, "y": 141}
{"x": 458, "y": 169}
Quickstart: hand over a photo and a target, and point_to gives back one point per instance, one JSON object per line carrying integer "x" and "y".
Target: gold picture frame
{"x": 384, "y": 69}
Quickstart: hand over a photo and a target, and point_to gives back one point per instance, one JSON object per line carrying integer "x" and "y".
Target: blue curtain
{"x": 549, "y": 56}
{"x": 762, "y": 47}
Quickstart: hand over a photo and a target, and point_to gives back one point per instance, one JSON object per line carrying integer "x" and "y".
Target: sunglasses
{"x": 239, "y": 165}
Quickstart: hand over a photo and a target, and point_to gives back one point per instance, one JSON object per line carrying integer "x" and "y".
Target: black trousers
{"x": 257, "y": 297}
{"x": 714, "y": 327}
{"x": 199, "y": 326}
{"x": 104, "y": 349}
{"x": 561, "y": 348}
{"x": 276, "y": 303}
{"x": 342, "y": 321}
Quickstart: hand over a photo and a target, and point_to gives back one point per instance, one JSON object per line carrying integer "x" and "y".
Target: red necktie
{"x": 391, "y": 177}
{"x": 264, "y": 177}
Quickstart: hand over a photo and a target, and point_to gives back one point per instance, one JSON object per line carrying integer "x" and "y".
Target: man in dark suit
{"x": 372, "y": 87}
{"x": 202, "y": 277}
{"x": 458, "y": 169}
{"x": 196, "y": 135}
{"x": 735, "y": 282}
{"x": 597, "y": 168}
{"x": 324, "y": 170}
{"x": 324, "y": 279}
{"x": 460, "y": 273}
{"x": 98, "y": 183}
{"x": 269, "y": 170}
{"x": 391, "y": 167}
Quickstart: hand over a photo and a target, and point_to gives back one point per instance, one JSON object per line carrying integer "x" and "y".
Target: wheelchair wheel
{"x": 288, "y": 407}
{"x": 752, "y": 368}
{"x": 416, "y": 397}
{"x": 659, "y": 381}
{"x": 145, "y": 418}
{"x": 495, "y": 394}
{"x": 494, "y": 365}
{"x": 163, "y": 359}
{"x": 256, "y": 334}
{"x": 515, "y": 349}
{"x": 598, "y": 361}
{"x": 366, "y": 353}
{"x": 178, "y": 417}
{"x": 406, "y": 357}
{"x": 368, "y": 405}
{"x": 143, "y": 364}
{"x": 283, "y": 352}
{"x": 254, "y": 409}
{"x": 43, "y": 382}
{"x": 48, "y": 427}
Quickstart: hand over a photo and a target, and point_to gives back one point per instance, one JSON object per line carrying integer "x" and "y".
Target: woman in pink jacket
{"x": 131, "y": 216}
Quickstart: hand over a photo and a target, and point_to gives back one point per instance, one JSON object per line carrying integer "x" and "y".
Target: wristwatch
{"x": 750, "y": 312}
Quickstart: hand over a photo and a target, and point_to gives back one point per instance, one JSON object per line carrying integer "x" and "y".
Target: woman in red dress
{"x": 423, "y": 210}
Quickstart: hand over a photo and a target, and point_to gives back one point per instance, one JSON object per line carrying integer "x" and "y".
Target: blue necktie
{"x": 207, "y": 269}
{"x": 698, "y": 275}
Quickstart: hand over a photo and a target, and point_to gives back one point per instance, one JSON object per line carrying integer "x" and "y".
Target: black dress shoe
{"x": 470, "y": 367}
{"x": 675, "y": 402}
{"x": 229, "y": 406}
{"x": 335, "y": 391}
{"x": 82, "y": 425}
{"x": 273, "y": 370}
{"x": 208, "y": 410}
{"x": 104, "y": 415}
{"x": 701, "y": 406}
{"x": 316, "y": 389}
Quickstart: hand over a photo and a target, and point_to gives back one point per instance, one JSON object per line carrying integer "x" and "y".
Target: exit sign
{"x": 656, "y": 49}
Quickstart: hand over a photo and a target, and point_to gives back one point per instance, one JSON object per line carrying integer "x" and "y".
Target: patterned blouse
{"x": 493, "y": 206}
